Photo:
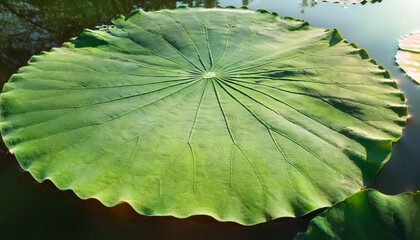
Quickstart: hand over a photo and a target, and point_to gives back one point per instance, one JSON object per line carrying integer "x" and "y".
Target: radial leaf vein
{"x": 187, "y": 34}
{"x": 117, "y": 117}
{"x": 235, "y": 143}
{"x": 207, "y": 40}
{"x": 165, "y": 41}
{"x": 139, "y": 136}
{"x": 276, "y": 130}
{"x": 121, "y": 98}
{"x": 253, "y": 34}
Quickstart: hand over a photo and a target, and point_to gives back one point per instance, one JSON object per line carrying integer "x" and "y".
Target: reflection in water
{"x": 312, "y": 3}
{"x": 307, "y": 3}
{"x": 246, "y": 2}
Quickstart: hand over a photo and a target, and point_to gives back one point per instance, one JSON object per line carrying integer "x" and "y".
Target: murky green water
{"x": 29, "y": 210}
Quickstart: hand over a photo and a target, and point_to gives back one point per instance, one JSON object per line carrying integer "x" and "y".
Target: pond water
{"x": 35, "y": 211}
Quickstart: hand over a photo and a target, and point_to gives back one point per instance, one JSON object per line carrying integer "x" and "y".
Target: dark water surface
{"x": 29, "y": 210}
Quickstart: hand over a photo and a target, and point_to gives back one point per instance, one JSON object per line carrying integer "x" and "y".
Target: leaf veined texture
{"x": 236, "y": 114}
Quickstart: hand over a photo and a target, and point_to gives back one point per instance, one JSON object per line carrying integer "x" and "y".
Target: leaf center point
{"x": 209, "y": 75}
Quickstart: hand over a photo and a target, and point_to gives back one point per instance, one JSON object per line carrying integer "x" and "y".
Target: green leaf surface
{"x": 368, "y": 214}
{"x": 408, "y": 56}
{"x": 236, "y": 114}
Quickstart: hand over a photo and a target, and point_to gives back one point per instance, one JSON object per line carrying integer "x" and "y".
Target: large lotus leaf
{"x": 408, "y": 57}
{"x": 240, "y": 115}
{"x": 369, "y": 214}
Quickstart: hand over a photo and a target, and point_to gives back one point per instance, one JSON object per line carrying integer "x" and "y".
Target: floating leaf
{"x": 408, "y": 57}
{"x": 368, "y": 214}
{"x": 240, "y": 115}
